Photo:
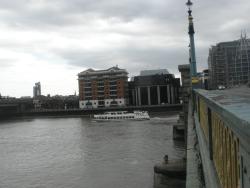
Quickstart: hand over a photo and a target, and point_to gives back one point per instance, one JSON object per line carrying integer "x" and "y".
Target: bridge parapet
{"x": 222, "y": 120}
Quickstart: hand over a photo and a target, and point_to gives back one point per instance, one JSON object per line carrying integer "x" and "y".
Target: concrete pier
{"x": 173, "y": 173}
{"x": 179, "y": 131}
{"x": 170, "y": 173}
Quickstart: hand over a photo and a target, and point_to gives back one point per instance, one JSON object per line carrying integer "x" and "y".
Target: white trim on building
{"x": 89, "y": 104}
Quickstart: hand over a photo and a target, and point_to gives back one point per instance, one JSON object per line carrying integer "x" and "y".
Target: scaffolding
{"x": 229, "y": 63}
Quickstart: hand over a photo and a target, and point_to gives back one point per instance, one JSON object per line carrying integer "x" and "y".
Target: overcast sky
{"x": 51, "y": 41}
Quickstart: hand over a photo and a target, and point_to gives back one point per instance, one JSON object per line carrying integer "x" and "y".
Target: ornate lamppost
{"x": 193, "y": 68}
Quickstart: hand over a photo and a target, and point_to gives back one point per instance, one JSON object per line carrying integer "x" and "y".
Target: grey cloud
{"x": 148, "y": 34}
{"x": 133, "y": 59}
{"x": 7, "y": 62}
{"x": 169, "y": 18}
{"x": 64, "y": 12}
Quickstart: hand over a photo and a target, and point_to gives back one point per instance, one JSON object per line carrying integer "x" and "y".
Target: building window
{"x": 100, "y": 84}
{"x": 87, "y": 89}
{"x": 112, "y": 82}
{"x": 88, "y": 98}
{"x": 88, "y": 94}
{"x": 113, "y": 88}
{"x": 87, "y": 85}
{"x": 101, "y": 102}
{"x": 113, "y": 92}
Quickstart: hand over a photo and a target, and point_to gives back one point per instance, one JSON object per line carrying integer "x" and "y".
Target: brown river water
{"x": 75, "y": 152}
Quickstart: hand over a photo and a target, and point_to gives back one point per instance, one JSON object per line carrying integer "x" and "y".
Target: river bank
{"x": 87, "y": 112}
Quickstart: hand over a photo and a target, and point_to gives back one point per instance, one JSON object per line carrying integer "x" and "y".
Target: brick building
{"x": 103, "y": 88}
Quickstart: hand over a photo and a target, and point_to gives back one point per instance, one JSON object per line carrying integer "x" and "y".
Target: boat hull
{"x": 121, "y": 116}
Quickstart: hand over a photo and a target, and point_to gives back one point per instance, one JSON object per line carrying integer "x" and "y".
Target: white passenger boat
{"x": 122, "y": 115}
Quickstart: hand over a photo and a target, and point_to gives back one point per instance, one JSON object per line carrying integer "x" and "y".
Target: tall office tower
{"x": 37, "y": 89}
{"x": 103, "y": 88}
{"x": 229, "y": 63}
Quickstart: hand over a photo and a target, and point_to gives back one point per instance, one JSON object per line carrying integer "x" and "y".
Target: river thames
{"x": 79, "y": 153}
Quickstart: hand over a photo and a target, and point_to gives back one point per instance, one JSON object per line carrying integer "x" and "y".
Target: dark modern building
{"x": 154, "y": 89}
{"x": 229, "y": 63}
{"x": 103, "y": 88}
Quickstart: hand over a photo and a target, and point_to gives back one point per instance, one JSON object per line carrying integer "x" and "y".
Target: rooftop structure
{"x": 153, "y": 72}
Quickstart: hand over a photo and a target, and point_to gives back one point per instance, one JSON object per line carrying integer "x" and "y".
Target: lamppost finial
{"x": 189, "y": 4}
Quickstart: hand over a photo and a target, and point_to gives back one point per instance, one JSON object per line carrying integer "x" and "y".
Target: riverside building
{"x": 103, "y": 88}
{"x": 229, "y": 63}
{"x": 154, "y": 87}
{"x": 37, "y": 90}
